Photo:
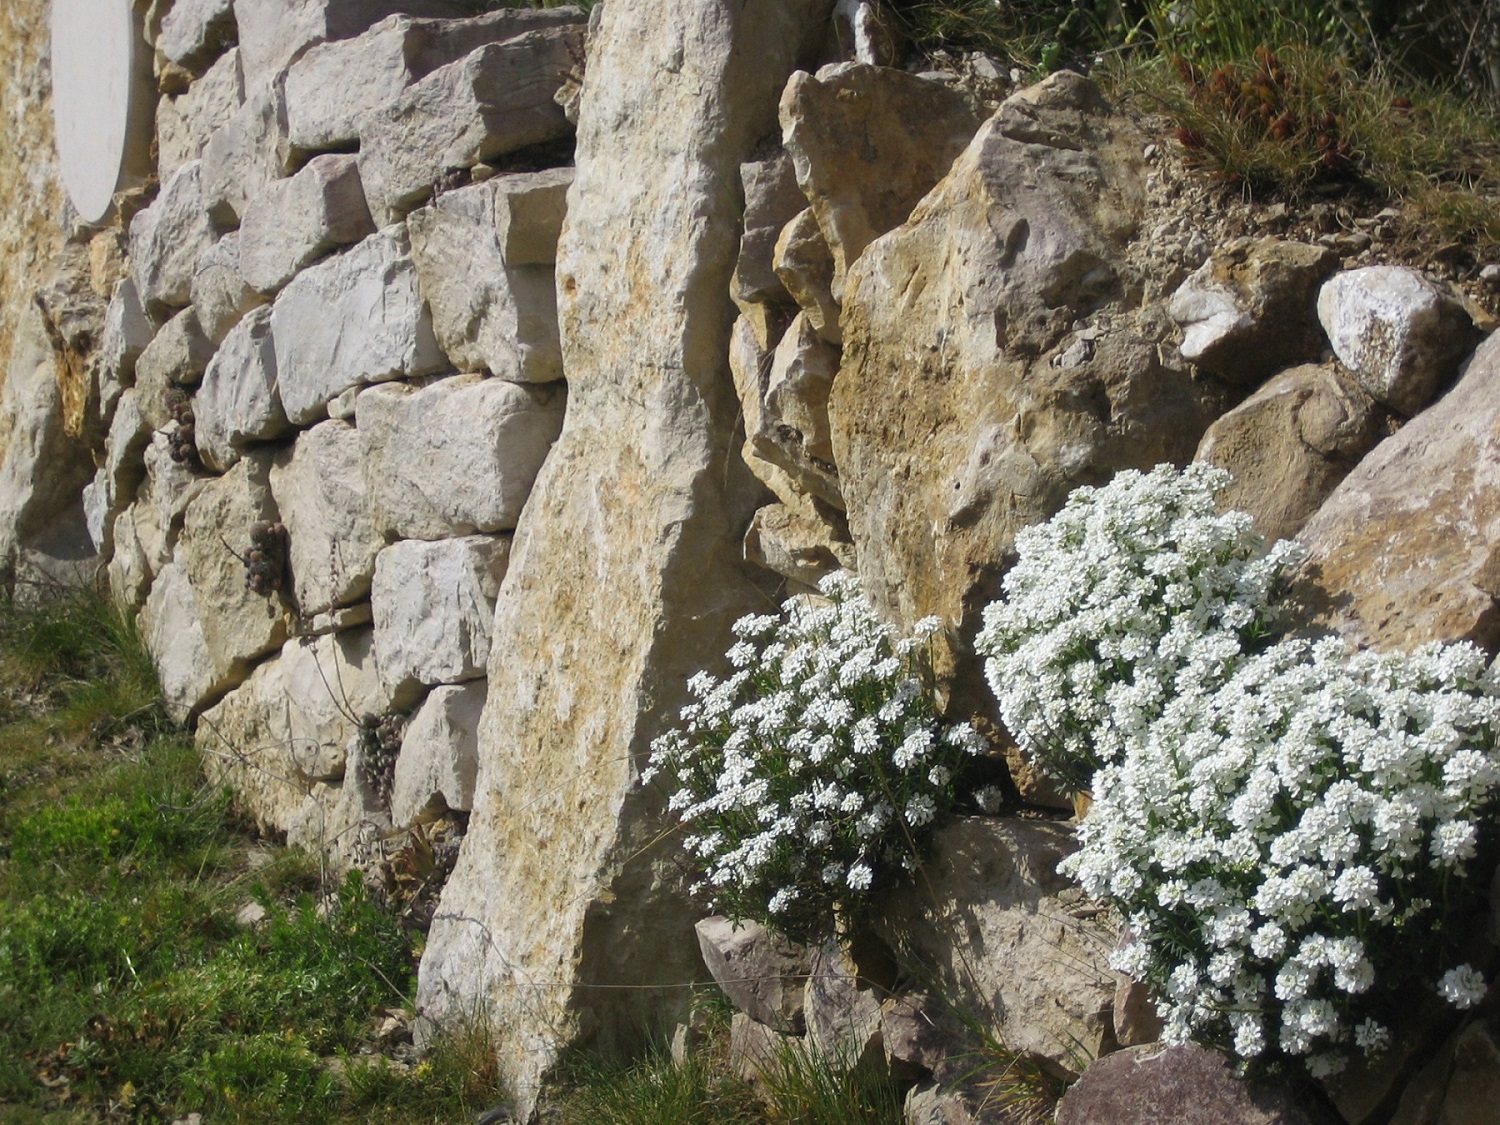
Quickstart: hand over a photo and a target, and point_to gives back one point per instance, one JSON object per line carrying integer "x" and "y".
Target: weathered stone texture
{"x": 166, "y": 239}
{"x": 238, "y": 403}
{"x": 457, "y": 456}
{"x": 764, "y": 974}
{"x": 172, "y": 628}
{"x": 194, "y": 31}
{"x": 220, "y": 295}
{"x": 439, "y": 757}
{"x": 247, "y": 154}
{"x": 624, "y": 576}
{"x": 331, "y": 682}
{"x": 185, "y": 122}
{"x": 299, "y": 219}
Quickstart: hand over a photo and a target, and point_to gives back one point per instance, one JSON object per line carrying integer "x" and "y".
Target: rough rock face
{"x": 166, "y": 239}
{"x": 302, "y": 218}
{"x": 1290, "y": 443}
{"x": 1001, "y": 943}
{"x": 968, "y": 404}
{"x": 439, "y": 756}
{"x": 1407, "y": 549}
{"x": 220, "y": 295}
{"x": 184, "y": 123}
{"x": 763, "y": 973}
{"x": 173, "y": 631}
{"x": 625, "y": 574}
{"x": 331, "y": 681}
{"x": 247, "y": 154}
{"x": 238, "y": 402}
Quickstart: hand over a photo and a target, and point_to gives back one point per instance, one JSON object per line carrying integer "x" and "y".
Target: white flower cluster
{"x": 1131, "y": 595}
{"x": 816, "y": 767}
{"x": 1283, "y": 826}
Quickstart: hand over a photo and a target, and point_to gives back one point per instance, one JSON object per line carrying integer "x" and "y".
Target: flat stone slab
{"x": 166, "y": 240}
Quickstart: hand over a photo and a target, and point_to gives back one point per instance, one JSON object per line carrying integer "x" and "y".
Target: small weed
{"x": 656, "y": 1090}
{"x": 806, "y": 1087}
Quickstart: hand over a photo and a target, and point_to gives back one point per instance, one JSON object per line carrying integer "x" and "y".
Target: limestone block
{"x": 273, "y": 33}
{"x": 1031, "y": 972}
{"x": 797, "y": 544}
{"x": 1290, "y": 443}
{"x": 128, "y": 572}
{"x": 321, "y": 495}
{"x": 1399, "y": 333}
{"x": 173, "y": 631}
{"x": 331, "y": 683}
{"x": 772, "y": 200}
{"x": 439, "y": 756}
{"x": 238, "y": 403}
{"x": 185, "y": 122}
{"x": 334, "y": 85}
{"x": 175, "y": 359}
{"x": 166, "y": 239}
{"x": 763, "y": 973}
{"x": 626, "y": 572}
{"x": 245, "y": 741}
{"x": 123, "y": 469}
{"x": 247, "y": 154}
{"x": 1406, "y": 548}
{"x": 804, "y": 263}
{"x": 239, "y": 626}
{"x": 126, "y": 334}
{"x": 163, "y": 501}
{"x": 457, "y": 456}
{"x": 1251, "y": 309}
{"x": 868, "y": 142}
{"x": 842, "y": 1009}
{"x": 194, "y": 31}
{"x": 434, "y": 606}
{"x": 494, "y": 101}
{"x": 298, "y": 220}
{"x": 220, "y": 295}
{"x": 971, "y": 400}
{"x": 355, "y": 318}
{"x": 1188, "y": 1084}
{"x": 491, "y": 311}
{"x": 793, "y": 430}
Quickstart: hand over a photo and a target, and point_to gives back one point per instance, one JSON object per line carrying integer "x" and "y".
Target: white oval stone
{"x": 101, "y": 101}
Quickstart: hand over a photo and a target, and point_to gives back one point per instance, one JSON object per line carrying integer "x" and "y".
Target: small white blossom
{"x": 1463, "y": 987}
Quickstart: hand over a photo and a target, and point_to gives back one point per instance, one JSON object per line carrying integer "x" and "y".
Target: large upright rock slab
{"x": 1407, "y": 549}
{"x": 354, "y": 319}
{"x": 484, "y": 257}
{"x": 625, "y": 573}
{"x": 331, "y": 88}
{"x": 457, "y": 456}
{"x": 868, "y": 142}
{"x": 494, "y": 101}
{"x": 973, "y": 398}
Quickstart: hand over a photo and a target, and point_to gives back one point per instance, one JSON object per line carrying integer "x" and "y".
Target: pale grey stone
{"x": 334, "y": 85}
{"x": 355, "y": 318}
{"x": 162, "y": 501}
{"x": 174, "y": 360}
{"x": 320, "y": 493}
{"x": 804, "y": 263}
{"x": 128, "y": 572}
{"x": 126, "y": 334}
{"x": 220, "y": 295}
{"x": 457, "y": 456}
{"x": 185, "y": 122}
{"x": 117, "y": 479}
{"x": 484, "y": 259}
{"x": 793, "y": 430}
{"x": 244, "y": 742}
{"x": 194, "y": 31}
{"x": 299, "y": 219}
{"x": 173, "y": 631}
{"x": 434, "y": 607}
{"x": 494, "y": 101}
{"x": 331, "y": 683}
{"x": 247, "y": 154}
{"x": 238, "y": 403}
{"x": 166, "y": 240}
{"x": 334, "y": 620}
{"x": 763, "y": 973}
{"x": 772, "y": 200}
{"x": 439, "y": 756}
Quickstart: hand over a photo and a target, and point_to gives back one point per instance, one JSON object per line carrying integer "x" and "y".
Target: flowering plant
{"x": 817, "y": 767}
{"x": 1133, "y": 593}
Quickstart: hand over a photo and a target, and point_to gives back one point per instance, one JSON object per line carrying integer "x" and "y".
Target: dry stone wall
{"x": 460, "y": 377}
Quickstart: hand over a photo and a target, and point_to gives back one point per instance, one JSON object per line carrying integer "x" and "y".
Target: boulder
{"x": 128, "y": 573}
{"x": 1251, "y": 309}
{"x": 867, "y": 143}
{"x": 239, "y": 626}
{"x": 1399, "y": 333}
{"x": 320, "y": 492}
{"x": 772, "y": 200}
{"x": 792, "y": 430}
{"x": 194, "y": 31}
{"x": 185, "y": 122}
{"x": 484, "y": 260}
{"x": 333, "y": 86}
{"x": 172, "y": 629}
{"x": 439, "y": 756}
{"x": 804, "y": 263}
{"x": 126, "y": 334}
{"x": 166, "y": 239}
{"x": 988, "y": 928}
{"x": 163, "y": 500}
{"x": 804, "y": 544}
{"x": 434, "y": 607}
{"x": 763, "y": 974}
{"x": 1406, "y": 549}
{"x": 1136, "y": 1021}
{"x": 220, "y": 295}
{"x": 626, "y": 572}
{"x": 971, "y": 400}
{"x": 245, "y": 743}
{"x": 356, "y": 318}
{"x": 247, "y": 154}
{"x": 457, "y": 456}
{"x": 1189, "y": 1085}
{"x": 842, "y": 1009}
{"x": 117, "y": 479}
{"x": 171, "y": 365}
{"x": 273, "y": 33}
{"x": 238, "y": 403}
{"x": 1290, "y": 443}
{"x": 331, "y": 683}
{"x": 494, "y": 101}
{"x": 299, "y": 219}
